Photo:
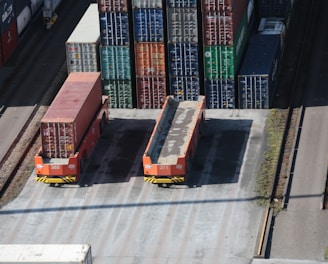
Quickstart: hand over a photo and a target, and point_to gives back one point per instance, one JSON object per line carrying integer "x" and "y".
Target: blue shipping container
{"x": 183, "y": 59}
{"x": 220, "y": 93}
{"x": 257, "y": 75}
{"x": 114, "y": 28}
{"x": 184, "y": 88}
{"x": 274, "y": 8}
{"x": 148, "y": 25}
{"x": 115, "y": 62}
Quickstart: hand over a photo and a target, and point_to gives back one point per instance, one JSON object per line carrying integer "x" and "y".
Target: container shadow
{"x": 118, "y": 155}
{"x": 220, "y": 153}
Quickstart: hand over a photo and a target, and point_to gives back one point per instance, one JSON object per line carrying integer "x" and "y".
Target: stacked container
{"x": 115, "y": 62}
{"x": 8, "y": 30}
{"x": 225, "y": 36}
{"x": 82, "y": 47}
{"x": 183, "y": 49}
{"x": 149, "y": 53}
{"x": 257, "y": 76}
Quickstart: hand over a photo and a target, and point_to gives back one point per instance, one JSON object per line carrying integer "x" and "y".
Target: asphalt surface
{"x": 127, "y": 220}
{"x": 301, "y": 231}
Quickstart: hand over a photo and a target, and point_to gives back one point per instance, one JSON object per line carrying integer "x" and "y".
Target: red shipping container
{"x": 221, "y": 20}
{"x": 112, "y": 6}
{"x": 9, "y": 41}
{"x": 70, "y": 114}
{"x": 151, "y": 92}
{"x": 222, "y": 6}
{"x": 150, "y": 59}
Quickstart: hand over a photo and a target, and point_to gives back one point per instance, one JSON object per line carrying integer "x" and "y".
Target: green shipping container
{"x": 119, "y": 92}
{"x": 115, "y": 62}
{"x": 222, "y": 62}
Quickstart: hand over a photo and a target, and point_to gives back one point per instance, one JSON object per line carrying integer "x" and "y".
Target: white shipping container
{"x": 46, "y": 253}
{"x": 82, "y": 47}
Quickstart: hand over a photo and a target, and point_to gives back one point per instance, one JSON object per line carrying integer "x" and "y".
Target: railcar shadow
{"x": 220, "y": 153}
{"x": 118, "y": 155}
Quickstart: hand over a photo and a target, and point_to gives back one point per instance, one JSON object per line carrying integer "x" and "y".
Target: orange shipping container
{"x": 150, "y": 58}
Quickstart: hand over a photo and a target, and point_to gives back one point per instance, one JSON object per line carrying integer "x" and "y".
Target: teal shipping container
{"x": 115, "y": 62}
{"x": 119, "y": 92}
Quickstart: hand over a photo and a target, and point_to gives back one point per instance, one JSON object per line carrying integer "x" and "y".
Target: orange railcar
{"x": 174, "y": 140}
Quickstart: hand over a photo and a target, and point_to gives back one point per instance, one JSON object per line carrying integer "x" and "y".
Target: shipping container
{"x": 182, "y": 3}
{"x": 45, "y": 253}
{"x": 151, "y": 92}
{"x": 150, "y": 59}
{"x": 7, "y": 12}
{"x": 222, "y": 62}
{"x": 147, "y": 3}
{"x": 224, "y": 29}
{"x": 112, "y": 6}
{"x": 148, "y": 25}
{"x": 182, "y": 25}
{"x": 70, "y": 114}
{"x": 274, "y": 8}
{"x": 115, "y": 62}
{"x": 82, "y": 46}
{"x": 183, "y": 59}
{"x": 173, "y": 142}
{"x": 23, "y": 19}
{"x": 258, "y": 73}
{"x": 223, "y": 6}
{"x": 220, "y": 94}
{"x": 114, "y": 28}
{"x": 119, "y": 93}
{"x": 9, "y": 41}
{"x": 184, "y": 88}
{"x": 273, "y": 26}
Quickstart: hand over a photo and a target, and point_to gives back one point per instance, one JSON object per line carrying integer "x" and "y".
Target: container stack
{"x": 82, "y": 46}
{"x": 149, "y": 53}
{"x": 225, "y": 36}
{"x": 258, "y": 74}
{"x": 115, "y": 62}
{"x": 8, "y": 30}
{"x": 183, "y": 49}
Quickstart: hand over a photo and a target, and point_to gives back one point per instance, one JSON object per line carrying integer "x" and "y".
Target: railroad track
{"x": 292, "y": 75}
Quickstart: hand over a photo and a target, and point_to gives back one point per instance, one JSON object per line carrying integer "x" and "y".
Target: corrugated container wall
{"x": 183, "y": 49}
{"x": 147, "y": 3}
{"x": 149, "y": 51}
{"x": 119, "y": 92}
{"x": 70, "y": 114}
{"x": 150, "y": 58}
{"x": 257, "y": 76}
{"x": 151, "y": 91}
{"x": 115, "y": 61}
{"x": 148, "y": 25}
{"x": 225, "y": 33}
{"x": 114, "y": 28}
{"x": 112, "y": 5}
{"x": 82, "y": 47}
